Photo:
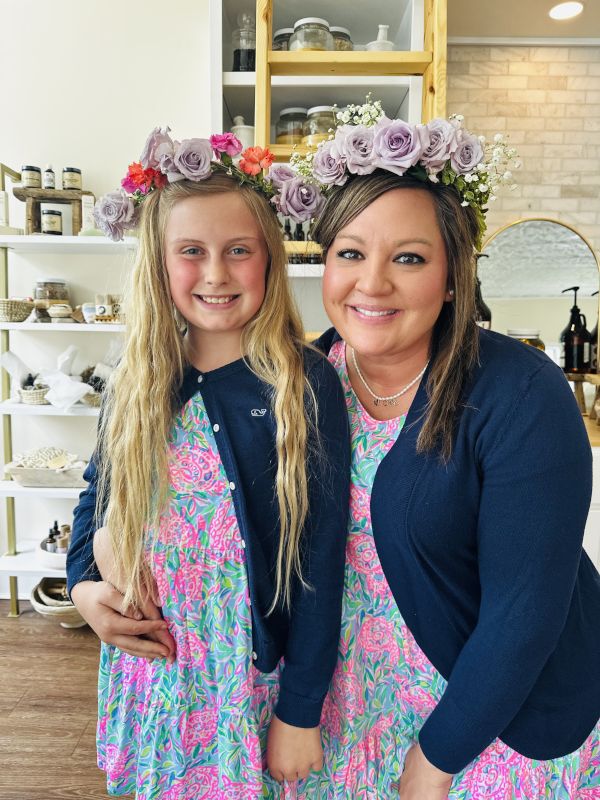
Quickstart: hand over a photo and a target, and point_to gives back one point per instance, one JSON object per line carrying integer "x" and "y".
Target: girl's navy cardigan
{"x": 238, "y": 406}
{"x": 484, "y": 558}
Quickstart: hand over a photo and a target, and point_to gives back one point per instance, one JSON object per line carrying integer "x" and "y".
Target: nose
{"x": 374, "y": 280}
{"x": 215, "y": 271}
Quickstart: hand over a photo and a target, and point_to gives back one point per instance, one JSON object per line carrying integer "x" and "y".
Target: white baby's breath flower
{"x": 492, "y": 198}
{"x": 483, "y": 187}
{"x": 464, "y": 204}
{"x": 507, "y": 175}
{"x": 498, "y": 138}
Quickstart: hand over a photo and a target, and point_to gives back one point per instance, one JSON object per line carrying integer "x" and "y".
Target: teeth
{"x": 217, "y": 300}
{"x": 369, "y": 313}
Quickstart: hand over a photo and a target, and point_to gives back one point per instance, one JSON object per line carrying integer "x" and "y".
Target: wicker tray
{"x": 14, "y": 310}
{"x": 34, "y": 397}
{"x": 46, "y": 478}
{"x": 48, "y": 599}
{"x": 93, "y": 399}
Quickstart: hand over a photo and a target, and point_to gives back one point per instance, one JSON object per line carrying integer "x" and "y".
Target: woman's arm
{"x": 536, "y": 488}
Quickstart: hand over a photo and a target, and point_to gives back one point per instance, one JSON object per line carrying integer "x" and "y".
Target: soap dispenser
{"x": 382, "y": 42}
{"x": 575, "y": 340}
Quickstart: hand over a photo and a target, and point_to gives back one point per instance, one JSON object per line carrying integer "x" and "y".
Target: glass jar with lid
{"x": 341, "y": 38}
{"x": 281, "y": 38}
{"x": 290, "y": 125}
{"x": 319, "y": 121}
{"x": 527, "y": 336}
{"x": 311, "y": 33}
{"x": 243, "y": 41}
{"x": 50, "y": 292}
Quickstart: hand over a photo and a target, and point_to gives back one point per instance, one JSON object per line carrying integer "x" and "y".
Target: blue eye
{"x": 239, "y": 251}
{"x": 349, "y": 255}
{"x": 409, "y": 258}
{"x": 191, "y": 251}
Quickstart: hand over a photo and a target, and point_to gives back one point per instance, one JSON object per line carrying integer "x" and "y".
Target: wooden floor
{"x": 47, "y": 710}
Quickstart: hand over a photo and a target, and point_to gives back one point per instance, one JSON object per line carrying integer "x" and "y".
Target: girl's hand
{"x": 421, "y": 780}
{"x": 293, "y": 752}
{"x": 140, "y": 633}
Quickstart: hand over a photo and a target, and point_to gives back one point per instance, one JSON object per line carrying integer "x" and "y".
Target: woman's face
{"x": 385, "y": 279}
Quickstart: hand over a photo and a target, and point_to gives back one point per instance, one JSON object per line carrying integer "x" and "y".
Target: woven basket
{"x": 48, "y": 599}
{"x": 34, "y": 397}
{"x": 15, "y": 310}
{"x": 93, "y": 399}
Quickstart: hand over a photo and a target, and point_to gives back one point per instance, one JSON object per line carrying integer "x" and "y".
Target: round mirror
{"x": 527, "y": 265}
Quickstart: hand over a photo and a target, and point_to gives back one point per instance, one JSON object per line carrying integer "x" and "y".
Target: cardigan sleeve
{"x": 80, "y": 558}
{"x": 535, "y": 494}
{"x": 313, "y": 639}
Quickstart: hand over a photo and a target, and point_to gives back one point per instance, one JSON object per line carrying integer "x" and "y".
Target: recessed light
{"x": 566, "y": 10}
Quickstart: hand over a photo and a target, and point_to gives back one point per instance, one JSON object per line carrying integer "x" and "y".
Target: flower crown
{"x": 166, "y": 161}
{"x": 365, "y": 140}
{"x": 441, "y": 151}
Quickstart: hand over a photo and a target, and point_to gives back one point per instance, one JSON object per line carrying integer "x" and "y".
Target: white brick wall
{"x": 548, "y": 100}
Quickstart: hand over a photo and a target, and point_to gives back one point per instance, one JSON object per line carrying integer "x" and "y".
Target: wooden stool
{"x": 34, "y": 197}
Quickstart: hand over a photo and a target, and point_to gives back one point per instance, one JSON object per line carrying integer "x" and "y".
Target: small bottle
{"x": 299, "y": 233}
{"x": 594, "y": 345}
{"x": 62, "y": 544}
{"x": 49, "y": 178}
{"x": 575, "y": 340}
{"x": 56, "y": 529}
{"x": 50, "y": 542}
{"x": 287, "y": 231}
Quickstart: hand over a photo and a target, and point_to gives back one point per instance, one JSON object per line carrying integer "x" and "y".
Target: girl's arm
{"x": 312, "y": 646}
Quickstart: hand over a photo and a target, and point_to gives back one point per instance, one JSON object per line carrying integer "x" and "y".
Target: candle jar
{"x": 71, "y": 178}
{"x": 31, "y": 177}
{"x": 52, "y": 222}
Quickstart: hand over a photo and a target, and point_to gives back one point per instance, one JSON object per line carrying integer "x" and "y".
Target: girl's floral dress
{"x": 384, "y": 686}
{"x": 191, "y": 730}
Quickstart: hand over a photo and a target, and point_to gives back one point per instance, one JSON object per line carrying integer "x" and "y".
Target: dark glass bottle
{"x": 244, "y": 44}
{"x": 287, "y": 231}
{"x": 575, "y": 340}
{"x": 483, "y": 313}
{"x": 594, "y": 345}
{"x": 299, "y": 233}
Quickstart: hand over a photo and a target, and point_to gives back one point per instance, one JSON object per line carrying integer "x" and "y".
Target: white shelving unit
{"x": 20, "y": 560}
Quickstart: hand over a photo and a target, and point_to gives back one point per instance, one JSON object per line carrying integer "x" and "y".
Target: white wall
{"x": 82, "y": 85}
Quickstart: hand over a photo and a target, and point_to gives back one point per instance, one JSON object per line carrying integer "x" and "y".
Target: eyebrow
{"x": 398, "y": 243}
{"x": 191, "y": 240}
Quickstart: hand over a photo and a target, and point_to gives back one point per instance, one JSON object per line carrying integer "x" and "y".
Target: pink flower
{"x": 226, "y": 143}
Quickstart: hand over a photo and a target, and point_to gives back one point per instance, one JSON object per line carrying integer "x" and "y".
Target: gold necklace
{"x": 393, "y": 399}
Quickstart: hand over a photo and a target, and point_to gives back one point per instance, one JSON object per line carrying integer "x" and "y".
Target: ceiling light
{"x": 566, "y": 10}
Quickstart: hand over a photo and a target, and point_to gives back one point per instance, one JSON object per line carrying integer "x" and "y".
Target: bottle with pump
{"x": 594, "y": 345}
{"x": 575, "y": 340}
{"x": 483, "y": 313}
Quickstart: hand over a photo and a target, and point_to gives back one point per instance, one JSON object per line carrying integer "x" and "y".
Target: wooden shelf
{"x": 302, "y": 247}
{"x": 72, "y": 245}
{"x": 305, "y": 270}
{"x": 349, "y": 63}
{"x": 588, "y": 377}
{"x": 24, "y": 410}
{"x": 14, "y": 489}
{"x": 54, "y": 327}
{"x": 25, "y": 563}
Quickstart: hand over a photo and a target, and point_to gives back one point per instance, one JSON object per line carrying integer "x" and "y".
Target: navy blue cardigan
{"x": 238, "y": 406}
{"x": 484, "y": 558}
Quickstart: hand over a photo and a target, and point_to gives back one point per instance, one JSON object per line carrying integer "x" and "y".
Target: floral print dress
{"x": 193, "y": 730}
{"x": 384, "y": 687}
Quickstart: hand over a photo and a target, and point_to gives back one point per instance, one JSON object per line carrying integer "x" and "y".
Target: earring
{"x": 451, "y": 292}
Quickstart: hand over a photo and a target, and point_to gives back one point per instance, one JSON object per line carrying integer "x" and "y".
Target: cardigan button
{"x": 200, "y": 378}
{"x": 254, "y": 655}
{"x": 216, "y": 427}
{"x": 243, "y": 543}
{"x": 231, "y": 485}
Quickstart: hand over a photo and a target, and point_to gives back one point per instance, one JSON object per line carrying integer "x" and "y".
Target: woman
{"x": 470, "y": 655}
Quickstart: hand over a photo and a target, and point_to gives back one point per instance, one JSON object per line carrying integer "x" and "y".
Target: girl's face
{"x": 216, "y": 260}
{"x": 385, "y": 279}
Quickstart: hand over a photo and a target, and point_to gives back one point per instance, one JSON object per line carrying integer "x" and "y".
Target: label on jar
{"x": 51, "y": 223}
{"x": 31, "y": 179}
{"x": 71, "y": 180}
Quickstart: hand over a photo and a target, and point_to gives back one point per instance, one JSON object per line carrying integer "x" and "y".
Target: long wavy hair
{"x": 142, "y": 397}
{"x": 455, "y": 341}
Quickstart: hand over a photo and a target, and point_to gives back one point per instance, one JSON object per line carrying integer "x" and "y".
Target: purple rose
{"x": 329, "y": 168}
{"x": 115, "y": 213}
{"x": 354, "y": 143}
{"x": 280, "y": 173}
{"x": 157, "y": 145}
{"x": 398, "y": 145}
{"x": 443, "y": 141}
{"x": 467, "y": 155}
{"x": 192, "y": 159}
{"x": 298, "y": 200}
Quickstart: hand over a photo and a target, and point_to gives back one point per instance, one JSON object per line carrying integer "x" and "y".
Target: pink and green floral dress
{"x": 193, "y": 730}
{"x": 384, "y": 687}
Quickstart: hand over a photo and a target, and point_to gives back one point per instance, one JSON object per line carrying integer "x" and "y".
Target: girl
{"x": 222, "y": 474}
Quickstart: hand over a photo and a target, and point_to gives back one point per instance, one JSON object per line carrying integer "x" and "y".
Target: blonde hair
{"x": 142, "y": 397}
{"x": 455, "y": 341}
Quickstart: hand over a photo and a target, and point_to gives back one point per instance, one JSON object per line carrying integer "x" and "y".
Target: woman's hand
{"x": 293, "y": 752}
{"x": 421, "y": 780}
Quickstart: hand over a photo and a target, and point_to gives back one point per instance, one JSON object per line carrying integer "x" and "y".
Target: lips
{"x": 216, "y": 300}
{"x": 373, "y": 314}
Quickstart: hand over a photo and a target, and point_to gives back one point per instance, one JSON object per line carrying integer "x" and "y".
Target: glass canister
{"x": 311, "y": 33}
{"x": 527, "y": 336}
{"x": 281, "y": 38}
{"x": 244, "y": 44}
{"x": 341, "y": 38}
{"x": 290, "y": 126}
{"x": 50, "y": 292}
{"x": 320, "y": 120}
